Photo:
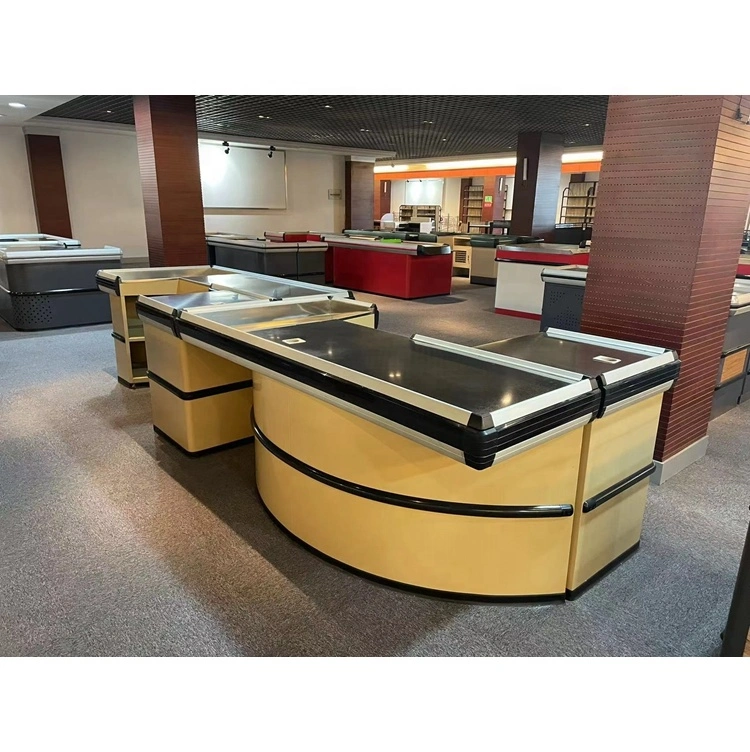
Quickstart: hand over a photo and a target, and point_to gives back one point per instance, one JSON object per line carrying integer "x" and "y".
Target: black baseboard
{"x": 203, "y": 452}
{"x": 571, "y": 595}
{"x": 139, "y": 385}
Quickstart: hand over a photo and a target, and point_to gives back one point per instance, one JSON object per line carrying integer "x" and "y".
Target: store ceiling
{"x": 413, "y": 127}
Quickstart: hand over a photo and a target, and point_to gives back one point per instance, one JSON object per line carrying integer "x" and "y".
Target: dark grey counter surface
{"x": 474, "y": 385}
{"x": 565, "y": 354}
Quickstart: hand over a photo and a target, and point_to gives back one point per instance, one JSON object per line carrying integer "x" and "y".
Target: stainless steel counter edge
{"x": 113, "y": 274}
{"x": 266, "y": 303}
{"x": 622, "y": 404}
{"x": 656, "y": 356}
{"x": 616, "y": 344}
{"x": 20, "y": 256}
{"x": 257, "y": 243}
{"x": 406, "y": 248}
{"x": 506, "y": 360}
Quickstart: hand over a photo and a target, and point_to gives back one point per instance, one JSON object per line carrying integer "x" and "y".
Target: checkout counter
{"x": 302, "y": 260}
{"x": 564, "y": 288}
{"x": 393, "y": 267}
{"x": 520, "y": 289}
{"x": 125, "y": 286}
{"x": 201, "y": 401}
{"x": 617, "y": 448}
{"x": 48, "y": 282}
{"x": 433, "y": 466}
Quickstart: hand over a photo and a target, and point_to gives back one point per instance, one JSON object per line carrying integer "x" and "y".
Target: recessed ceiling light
{"x": 427, "y": 122}
{"x": 262, "y": 117}
{"x": 364, "y": 130}
{"x": 445, "y": 139}
{"x": 326, "y": 106}
{"x": 109, "y": 112}
{"x": 16, "y": 104}
{"x": 587, "y": 124}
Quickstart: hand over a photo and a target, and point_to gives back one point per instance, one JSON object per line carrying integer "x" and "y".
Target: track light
{"x": 271, "y": 150}
{"x": 226, "y": 145}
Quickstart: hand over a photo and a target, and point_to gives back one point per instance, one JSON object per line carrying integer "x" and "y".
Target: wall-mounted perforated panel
{"x": 672, "y": 201}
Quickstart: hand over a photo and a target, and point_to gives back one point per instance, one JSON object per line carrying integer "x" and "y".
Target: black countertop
{"x": 476, "y": 386}
{"x": 561, "y": 353}
{"x": 621, "y": 372}
{"x": 462, "y": 405}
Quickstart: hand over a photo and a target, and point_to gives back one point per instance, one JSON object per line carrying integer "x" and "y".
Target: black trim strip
{"x": 403, "y": 586}
{"x": 118, "y": 337}
{"x": 623, "y": 485}
{"x": 102, "y": 282}
{"x": 203, "y": 452}
{"x": 159, "y": 317}
{"x": 199, "y": 393}
{"x": 726, "y": 353}
{"x": 479, "y": 447}
{"x": 68, "y": 291}
{"x": 622, "y": 390}
{"x": 410, "y": 502}
{"x": 138, "y": 385}
{"x": 571, "y": 595}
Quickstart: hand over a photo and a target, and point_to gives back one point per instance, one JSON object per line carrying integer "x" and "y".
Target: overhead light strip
{"x": 468, "y": 164}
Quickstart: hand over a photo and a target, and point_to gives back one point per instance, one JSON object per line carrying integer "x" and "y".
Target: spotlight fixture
{"x": 271, "y": 150}
{"x": 225, "y": 144}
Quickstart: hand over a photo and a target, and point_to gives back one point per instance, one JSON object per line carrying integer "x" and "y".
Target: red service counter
{"x": 404, "y": 269}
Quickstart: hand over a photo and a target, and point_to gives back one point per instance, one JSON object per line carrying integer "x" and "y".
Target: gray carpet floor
{"x": 114, "y": 543}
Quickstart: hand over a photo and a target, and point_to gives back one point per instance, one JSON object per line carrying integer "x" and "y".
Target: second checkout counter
{"x": 512, "y": 471}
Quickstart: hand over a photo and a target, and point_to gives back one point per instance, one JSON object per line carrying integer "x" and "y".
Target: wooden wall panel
{"x": 48, "y": 185}
{"x": 535, "y": 199}
{"x": 382, "y": 198}
{"x": 359, "y": 187}
{"x": 167, "y": 135}
{"x": 672, "y": 201}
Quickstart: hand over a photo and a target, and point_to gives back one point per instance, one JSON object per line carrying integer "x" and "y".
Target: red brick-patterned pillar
{"x": 167, "y": 134}
{"x": 671, "y": 206}
{"x": 537, "y": 185}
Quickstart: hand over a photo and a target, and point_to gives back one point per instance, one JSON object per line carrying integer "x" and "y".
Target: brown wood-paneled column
{"x": 359, "y": 187}
{"x": 167, "y": 135}
{"x": 537, "y": 184}
{"x": 48, "y": 185}
{"x": 671, "y": 207}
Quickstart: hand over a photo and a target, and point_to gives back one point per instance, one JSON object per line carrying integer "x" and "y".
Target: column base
{"x": 673, "y": 465}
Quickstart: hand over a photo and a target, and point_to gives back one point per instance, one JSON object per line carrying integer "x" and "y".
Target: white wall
{"x": 309, "y": 177}
{"x": 398, "y": 193}
{"x": 451, "y": 197}
{"x": 17, "y": 213}
{"x": 103, "y": 182}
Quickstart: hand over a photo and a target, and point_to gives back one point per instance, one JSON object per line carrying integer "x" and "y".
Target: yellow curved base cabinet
{"x": 318, "y": 467}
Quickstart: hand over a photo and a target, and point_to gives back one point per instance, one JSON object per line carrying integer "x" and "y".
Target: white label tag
{"x": 293, "y": 341}
{"x": 606, "y": 359}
